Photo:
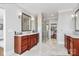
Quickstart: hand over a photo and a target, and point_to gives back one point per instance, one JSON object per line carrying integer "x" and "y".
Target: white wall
{"x": 33, "y": 23}
{"x": 1, "y": 21}
{"x": 1, "y": 31}
{"x": 13, "y": 23}
{"x": 65, "y": 25}
{"x": 40, "y": 27}
{"x": 44, "y": 30}
{"x": 1, "y": 34}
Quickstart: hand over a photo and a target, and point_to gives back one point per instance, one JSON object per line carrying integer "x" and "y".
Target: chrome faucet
{"x": 17, "y": 33}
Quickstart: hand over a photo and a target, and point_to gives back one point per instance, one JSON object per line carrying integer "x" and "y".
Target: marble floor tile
{"x": 50, "y": 48}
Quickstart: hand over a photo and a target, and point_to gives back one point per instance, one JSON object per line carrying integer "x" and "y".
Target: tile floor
{"x": 50, "y": 48}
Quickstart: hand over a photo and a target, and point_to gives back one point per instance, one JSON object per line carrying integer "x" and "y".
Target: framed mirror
{"x": 25, "y": 22}
{"x": 1, "y": 26}
{"x": 54, "y": 27}
{"x": 77, "y": 20}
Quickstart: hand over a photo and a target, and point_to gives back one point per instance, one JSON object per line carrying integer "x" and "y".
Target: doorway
{"x": 53, "y": 30}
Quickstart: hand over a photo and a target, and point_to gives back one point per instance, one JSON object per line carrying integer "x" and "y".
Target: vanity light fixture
{"x": 19, "y": 14}
{"x": 76, "y": 15}
{"x": 72, "y": 15}
{"x": 32, "y": 18}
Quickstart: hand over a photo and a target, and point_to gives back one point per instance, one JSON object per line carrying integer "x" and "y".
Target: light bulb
{"x": 32, "y": 19}
{"x": 72, "y": 15}
{"x": 76, "y": 15}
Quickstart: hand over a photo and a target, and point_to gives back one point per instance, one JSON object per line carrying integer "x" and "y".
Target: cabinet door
{"x": 24, "y": 43}
{"x": 68, "y": 42}
{"x": 24, "y": 40}
{"x": 75, "y": 46}
{"x": 36, "y": 38}
{"x": 17, "y": 44}
{"x": 32, "y": 40}
{"x": 24, "y": 48}
{"x": 29, "y": 43}
{"x": 76, "y": 52}
{"x": 65, "y": 41}
{"x": 76, "y": 43}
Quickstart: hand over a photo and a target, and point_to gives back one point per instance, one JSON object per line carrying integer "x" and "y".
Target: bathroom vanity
{"x": 25, "y": 42}
{"x": 72, "y": 44}
{"x": 71, "y": 41}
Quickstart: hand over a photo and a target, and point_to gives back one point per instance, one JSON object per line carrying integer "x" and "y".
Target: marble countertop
{"x": 26, "y": 34}
{"x": 73, "y": 35}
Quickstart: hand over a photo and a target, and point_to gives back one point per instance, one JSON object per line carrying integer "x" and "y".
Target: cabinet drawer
{"x": 24, "y": 44}
{"x": 74, "y": 52}
{"x": 23, "y": 48}
{"x": 24, "y": 38}
{"x": 76, "y": 43}
{"x": 24, "y": 41}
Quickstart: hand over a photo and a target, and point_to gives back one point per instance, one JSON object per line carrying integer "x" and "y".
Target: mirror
{"x": 53, "y": 27}
{"x": 77, "y": 20}
{"x": 26, "y": 22}
{"x": 1, "y": 26}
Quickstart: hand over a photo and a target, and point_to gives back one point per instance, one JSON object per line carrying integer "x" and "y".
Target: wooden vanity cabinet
{"x": 34, "y": 40}
{"x": 67, "y": 43}
{"x": 72, "y": 45}
{"x": 23, "y": 43}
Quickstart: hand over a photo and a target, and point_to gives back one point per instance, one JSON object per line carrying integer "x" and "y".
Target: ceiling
{"x": 36, "y": 8}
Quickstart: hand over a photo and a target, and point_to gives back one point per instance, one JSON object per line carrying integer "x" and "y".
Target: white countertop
{"x": 73, "y": 35}
{"x": 26, "y": 34}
